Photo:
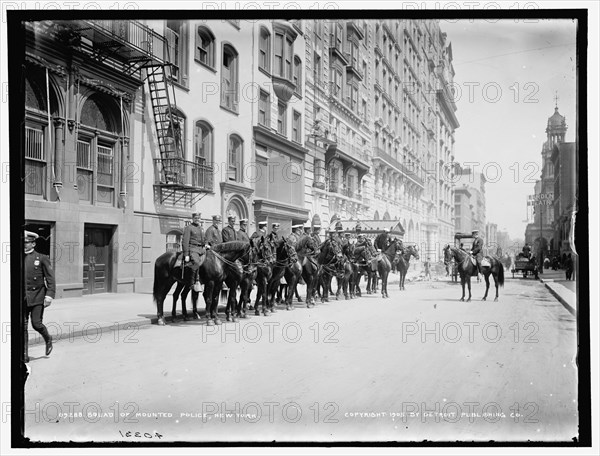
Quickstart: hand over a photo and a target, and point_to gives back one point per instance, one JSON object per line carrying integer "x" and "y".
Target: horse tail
{"x": 162, "y": 266}
{"x": 501, "y": 275}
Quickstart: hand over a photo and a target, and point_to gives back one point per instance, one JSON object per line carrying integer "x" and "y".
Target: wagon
{"x": 526, "y": 266}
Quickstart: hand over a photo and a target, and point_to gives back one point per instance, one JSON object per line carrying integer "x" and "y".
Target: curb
{"x": 560, "y": 299}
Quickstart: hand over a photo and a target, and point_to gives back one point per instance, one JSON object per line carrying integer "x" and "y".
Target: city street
{"x": 419, "y": 365}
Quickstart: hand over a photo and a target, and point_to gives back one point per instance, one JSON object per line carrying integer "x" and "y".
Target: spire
{"x": 556, "y": 101}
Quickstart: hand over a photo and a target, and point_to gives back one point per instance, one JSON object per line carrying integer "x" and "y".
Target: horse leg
{"x": 195, "y": 314}
{"x": 463, "y": 281}
{"x": 208, "y": 299}
{"x": 487, "y": 286}
{"x": 496, "y": 283}
{"x": 215, "y": 301}
{"x": 469, "y": 286}
{"x": 184, "y": 295}
{"x": 176, "y": 295}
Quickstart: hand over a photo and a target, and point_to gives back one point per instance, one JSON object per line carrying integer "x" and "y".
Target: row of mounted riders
{"x": 265, "y": 260}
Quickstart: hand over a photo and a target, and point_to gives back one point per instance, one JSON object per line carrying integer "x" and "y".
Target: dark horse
{"x": 466, "y": 269}
{"x": 264, "y": 272}
{"x": 345, "y": 274}
{"x": 167, "y": 271}
{"x": 402, "y": 262}
{"x": 224, "y": 263}
{"x": 328, "y": 258}
{"x": 362, "y": 259}
{"x": 384, "y": 265}
{"x": 310, "y": 268}
{"x": 286, "y": 265}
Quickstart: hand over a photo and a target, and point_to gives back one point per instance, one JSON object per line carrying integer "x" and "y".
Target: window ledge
{"x": 264, "y": 71}
{"x": 208, "y": 67}
{"x": 228, "y": 109}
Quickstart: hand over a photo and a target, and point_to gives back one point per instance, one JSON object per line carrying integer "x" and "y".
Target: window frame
{"x": 267, "y": 108}
{"x": 296, "y": 126}
{"x": 282, "y": 118}
{"x": 204, "y": 32}
{"x": 233, "y": 104}
{"x": 264, "y": 37}
{"x": 238, "y": 159}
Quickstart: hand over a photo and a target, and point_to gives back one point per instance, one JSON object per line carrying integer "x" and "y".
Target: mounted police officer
{"x": 261, "y": 230}
{"x": 274, "y": 234}
{"x": 316, "y": 237}
{"x": 382, "y": 240}
{"x": 40, "y": 289}
{"x": 477, "y": 249}
{"x": 213, "y": 233}
{"x": 241, "y": 234}
{"x": 228, "y": 233}
{"x": 295, "y": 236}
{"x": 193, "y": 246}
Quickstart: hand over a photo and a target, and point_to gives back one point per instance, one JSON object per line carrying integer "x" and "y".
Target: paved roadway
{"x": 419, "y": 365}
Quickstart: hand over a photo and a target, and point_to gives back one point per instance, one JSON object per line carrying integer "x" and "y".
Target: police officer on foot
{"x": 40, "y": 289}
{"x": 241, "y": 234}
{"x": 213, "y": 233}
{"x": 229, "y": 233}
{"x": 193, "y": 246}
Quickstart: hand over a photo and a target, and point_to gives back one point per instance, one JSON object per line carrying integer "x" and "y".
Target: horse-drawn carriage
{"x": 525, "y": 265}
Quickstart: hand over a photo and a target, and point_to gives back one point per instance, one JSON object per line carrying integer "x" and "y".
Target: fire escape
{"x": 136, "y": 50}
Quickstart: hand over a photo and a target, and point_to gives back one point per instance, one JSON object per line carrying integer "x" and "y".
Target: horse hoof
{"x": 196, "y": 316}
{"x": 257, "y": 312}
{"x": 234, "y": 319}
{"x": 495, "y": 299}
{"x": 228, "y": 318}
{"x": 174, "y": 316}
{"x": 483, "y": 299}
{"x": 210, "y": 323}
{"x": 244, "y": 316}
{"x": 300, "y": 300}
{"x": 469, "y": 300}
{"x": 217, "y": 321}
{"x": 250, "y": 307}
{"x": 462, "y": 299}
{"x": 161, "y": 321}
{"x": 186, "y": 318}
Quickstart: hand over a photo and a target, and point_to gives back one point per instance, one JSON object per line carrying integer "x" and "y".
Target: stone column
{"x": 59, "y": 152}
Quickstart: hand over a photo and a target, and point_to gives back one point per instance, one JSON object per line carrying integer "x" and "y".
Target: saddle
{"x": 485, "y": 263}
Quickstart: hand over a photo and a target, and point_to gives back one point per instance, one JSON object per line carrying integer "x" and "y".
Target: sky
{"x": 507, "y": 74}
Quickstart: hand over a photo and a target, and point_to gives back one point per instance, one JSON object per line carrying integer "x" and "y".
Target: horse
{"x": 384, "y": 265}
{"x": 466, "y": 269}
{"x": 264, "y": 272}
{"x": 247, "y": 279}
{"x": 286, "y": 265}
{"x": 310, "y": 268}
{"x": 363, "y": 267}
{"x": 223, "y": 263}
{"x": 328, "y": 258}
{"x": 345, "y": 275}
{"x": 402, "y": 262}
{"x": 167, "y": 271}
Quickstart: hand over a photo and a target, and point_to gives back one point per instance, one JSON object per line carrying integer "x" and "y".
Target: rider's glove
{"x": 187, "y": 258}
{"x": 207, "y": 246}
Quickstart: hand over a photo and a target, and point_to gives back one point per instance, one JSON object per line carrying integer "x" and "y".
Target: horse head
{"x": 413, "y": 250}
{"x": 265, "y": 252}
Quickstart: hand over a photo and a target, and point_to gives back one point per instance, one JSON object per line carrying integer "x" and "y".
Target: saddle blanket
{"x": 486, "y": 263}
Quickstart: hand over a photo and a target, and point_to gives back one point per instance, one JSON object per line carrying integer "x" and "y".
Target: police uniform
{"x": 260, "y": 232}
{"x": 40, "y": 290}
{"x": 316, "y": 237}
{"x": 477, "y": 251}
{"x": 381, "y": 241}
{"x": 228, "y": 233}
{"x": 193, "y": 246}
{"x": 295, "y": 236}
{"x": 241, "y": 234}
{"x": 273, "y": 234}
{"x": 213, "y": 234}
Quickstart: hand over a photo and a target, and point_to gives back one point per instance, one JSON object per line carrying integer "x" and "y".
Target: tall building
{"x": 540, "y": 233}
{"x": 566, "y": 166}
{"x": 474, "y": 181}
{"x": 131, "y": 126}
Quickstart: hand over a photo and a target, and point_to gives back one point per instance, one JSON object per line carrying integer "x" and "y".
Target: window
{"x": 297, "y": 127}
{"x": 298, "y": 76}
{"x": 318, "y": 28}
{"x": 264, "y": 50}
{"x": 319, "y": 170}
{"x": 173, "y": 241}
{"x": 234, "y": 159}
{"x": 229, "y": 79}
{"x": 264, "y": 109}
{"x": 105, "y": 173}
{"x": 281, "y": 118}
{"x": 283, "y": 56}
{"x": 205, "y": 47}
{"x": 317, "y": 70}
{"x": 84, "y": 170}
{"x": 203, "y": 154}
{"x": 336, "y": 82}
{"x": 175, "y": 34}
{"x": 35, "y": 161}
{"x": 364, "y": 109}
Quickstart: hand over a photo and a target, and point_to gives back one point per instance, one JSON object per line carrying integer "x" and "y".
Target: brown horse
{"x": 402, "y": 262}
{"x": 384, "y": 265}
{"x": 466, "y": 269}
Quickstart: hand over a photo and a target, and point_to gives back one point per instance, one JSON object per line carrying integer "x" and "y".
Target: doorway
{"x": 97, "y": 259}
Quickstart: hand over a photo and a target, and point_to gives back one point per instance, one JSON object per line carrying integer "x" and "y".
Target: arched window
{"x": 229, "y": 78}
{"x": 264, "y": 50}
{"x": 298, "y": 75}
{"x": 205, "y": 47}
{"x": 203, "y": 142}
{"x": 235, "y": 158}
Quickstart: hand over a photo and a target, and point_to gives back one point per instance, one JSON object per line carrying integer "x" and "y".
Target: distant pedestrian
{"x": 569, "y": 267}
{"x": 40, "y": 289}
{"x": 427, "y": 266}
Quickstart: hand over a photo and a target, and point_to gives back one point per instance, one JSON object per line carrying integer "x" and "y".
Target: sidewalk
{"x": 116, "y": 315}
{"x": 563, "y": 290}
